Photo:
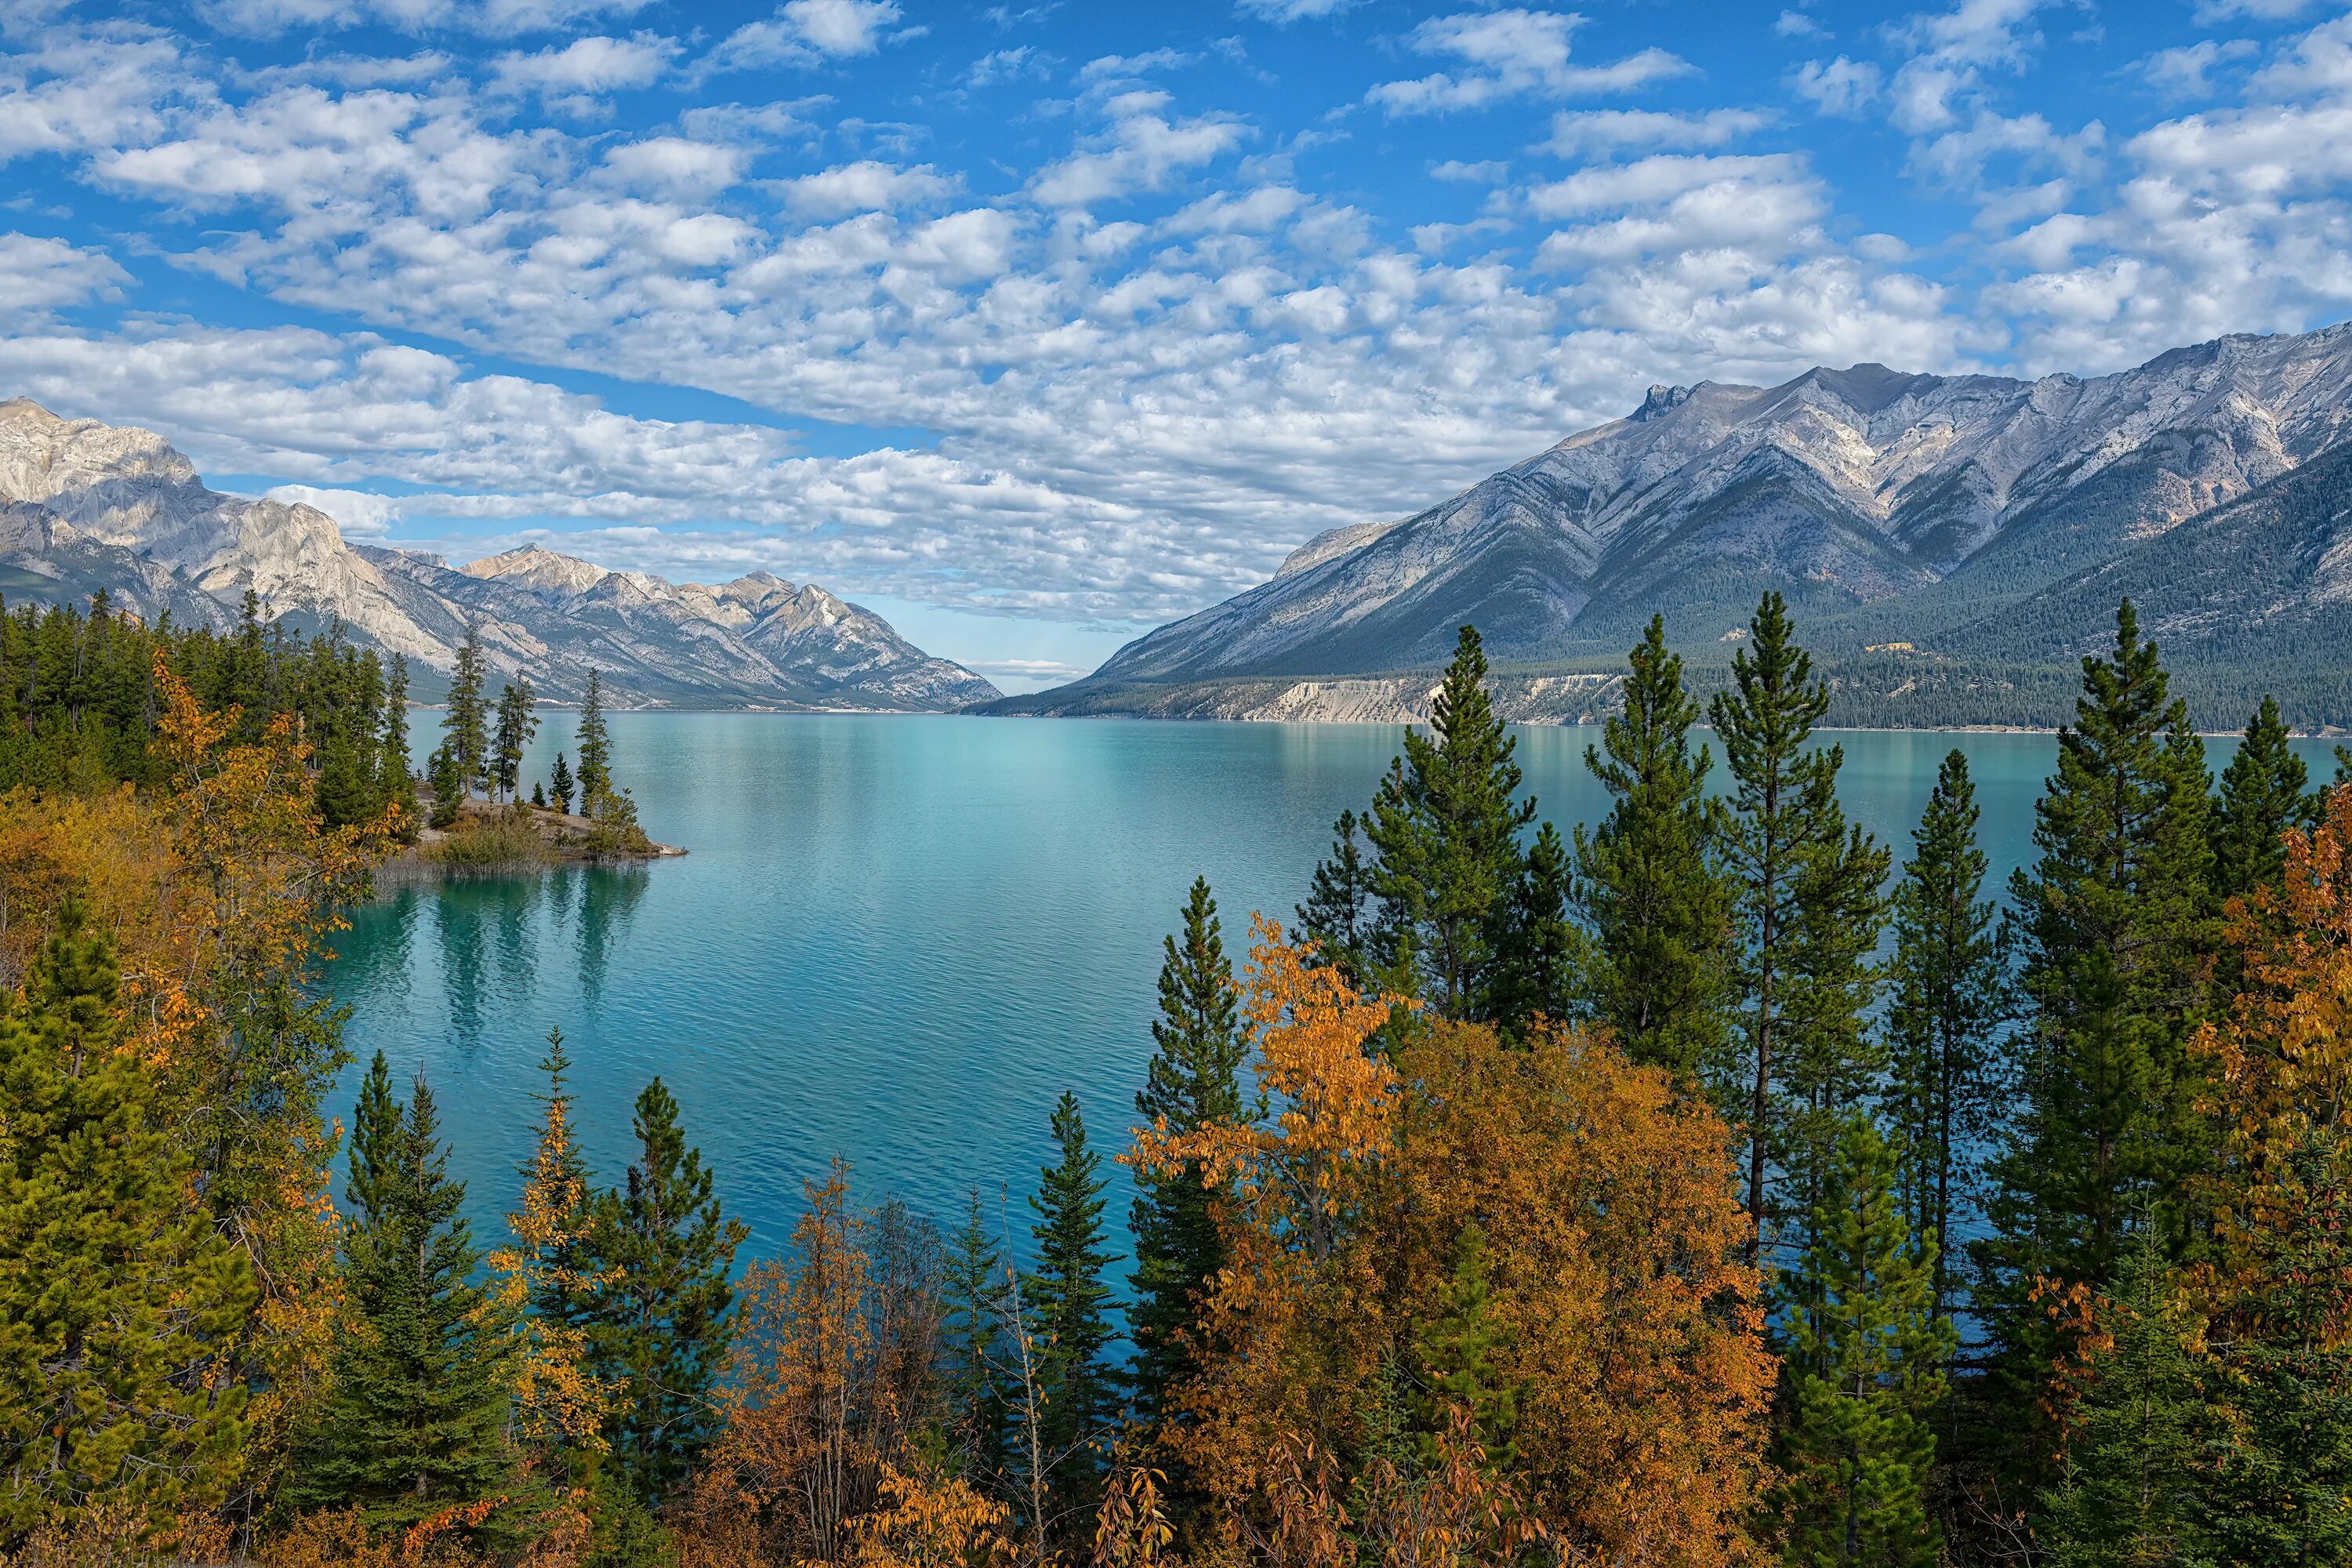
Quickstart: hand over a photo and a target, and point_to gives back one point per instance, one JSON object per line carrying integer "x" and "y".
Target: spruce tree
{"x": 465, "y": 724}
{"x": 1445, "y": 823}
{"x": 1865, "y": 1362}
{"x": 2263, "y": 794}
{"x": 1950, "y": 999}
{"x": 2115, "y": 934}
{"x": 1540, "y": 952}
{"x": 1656, "y": 905}
{"x": 2129, "y": 1489}
{"x": 394, "y": 782}
{"x": 594, "y": 746}
{"x": 1069, "y": 1302}
{"x": 1337, "y": 915}
{"x": 119, "y": 1300}
{"x": 1193, "y": 1080}
{"x": 447, "y": 777}
{"x": 413, "y": 1424}
{"x": 972, "y": 1308}
{"x": 559, "y": 785}
{"x": 349, "y": 788}
{"x": 661, "y": 1323}
{"x": 1456, "y": 1348}
{"x": 517, "y": 720}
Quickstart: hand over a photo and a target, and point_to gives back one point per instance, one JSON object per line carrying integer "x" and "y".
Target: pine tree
{"x": 117, "y": 1299}
{"x": 348, "y": 790}
{"x": 1069, "y": 1303}
{"x": 447, "y": 777}
{"x": 594, "y": 746}
{"x": 2128, "y": 1492}
{"x": 1445, "y": 823}
{"x": 1950, "y": 999}
{"x": 394, "y": 783}
{"x": 1540, "y": 952}
{"x": 1658, "y": 906}
{"x": 662, "y": 1323}
{"x": 971, "y": 1312}
{"x": 465, "y": 724}
{"x": 1337, "y": 915}
{"x": 2115, "y": 934}
{"x": 413, "y": 1425}
{"x": 2262, "y": 795}
{"x": 1193, "y": 1080}
{"x": 1865, "y": 1360}
{"x": 1456, "y": 1347}
{"x": 517, "y": 720}
{"x": 559, "y": 785}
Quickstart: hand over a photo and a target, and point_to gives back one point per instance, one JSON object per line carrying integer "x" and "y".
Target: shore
{"x": 503, "y": 839}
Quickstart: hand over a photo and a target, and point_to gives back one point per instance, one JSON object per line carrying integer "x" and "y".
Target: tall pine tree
{"x": 1069, "y": 1304}
{"x": 2115, "y": 932}
{"x": 1193, "y": 1080}
{"x": 1950, "y": 1000}
{"x": 973, "y": 1307}
{"x": 661, "y": 1324}
{"x": 1866, "y": 1362}
{"x": 414, "y": 1421}
{"x": 594, "y": 745}
{"x": 2264, "y": 793}
{"x": 1445, "y": 823}
{"x": 1337, "y": 915}
{"x": 1656, "y": 903}
{"x": 1540, "y": 950}
{"x": 465, "y": 724}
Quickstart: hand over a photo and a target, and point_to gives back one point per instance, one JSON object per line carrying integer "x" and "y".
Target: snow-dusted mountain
{"x": 1888, "y": 506}
{"x": 85, "y": 506}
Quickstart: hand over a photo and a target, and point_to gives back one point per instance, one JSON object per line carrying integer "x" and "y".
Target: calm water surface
{"x": 898, "y": 938}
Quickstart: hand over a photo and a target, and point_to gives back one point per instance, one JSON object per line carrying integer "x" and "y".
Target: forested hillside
{"x": 1714, "y": 1183}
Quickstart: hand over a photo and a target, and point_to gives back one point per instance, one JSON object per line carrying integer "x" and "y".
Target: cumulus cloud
{"x": 1604, "y": 131}
{"x": 1839, "y": 87}
{"x": 805, "y": 33}
{"x": 585, "y": 68}
{"x": 866, "y": 186}
{"x": 1509, "y": 54}
{"x": 1140, "y": 150}
{"x": 39, "y": 277}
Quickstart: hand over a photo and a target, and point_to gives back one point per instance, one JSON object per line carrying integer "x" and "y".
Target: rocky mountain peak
{"x": 1663, "y": 399}
{"x": 535, "y": 566}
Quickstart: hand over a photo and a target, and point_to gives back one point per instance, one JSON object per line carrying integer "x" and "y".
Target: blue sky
{"x": 1033, "y": 325}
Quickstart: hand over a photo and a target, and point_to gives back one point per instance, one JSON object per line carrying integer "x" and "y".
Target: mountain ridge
{"x": 86, "y": 506}
{"x": 1891, "y": 506}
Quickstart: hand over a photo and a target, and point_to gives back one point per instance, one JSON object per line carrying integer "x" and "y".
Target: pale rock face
{"x": 1857, "y": 486}
{"x": 88, "y": 506}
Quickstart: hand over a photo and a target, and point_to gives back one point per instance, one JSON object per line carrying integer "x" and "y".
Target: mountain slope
{"x": 86, "y": 506}
{"x": 1889, "y": 507}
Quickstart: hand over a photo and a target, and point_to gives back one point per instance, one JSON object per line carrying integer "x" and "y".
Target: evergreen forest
{"x": 1712, "y": 1183}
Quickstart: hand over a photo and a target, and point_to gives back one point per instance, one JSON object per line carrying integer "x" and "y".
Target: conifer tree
{"x": 1069, "y": 1303}
{"x": 413, "y": 1425}
{"x": 2115, "y": 930}
{"x": 517, "y": 720}
{"x": 1193, "y": 1080}
{"x": 594, "y": 746}
{"x": 117, "y": 1299}
{"x": 465, "y": 724}
{"x": 2263, "y": 794}
{"x": 1445, "y": 823}
{"x": 559, "y": 785}
{"x": 448, "y": 778}
{"x": 1865, "y": 1360}
{"x": 1540, "y": 952}
{"x": 971, "y": 1308}
{"x": 1950, "y": 998}
{"x": 1658, "y": 907}
{"x": 394, "y": 782}
{"x": 661, "y": 1326}
{"x": 1456, "y": 1349}
{"x": 348, "y": 790}
{"x": 2128, "y": 1492}
{"x": 1337, "y": 915}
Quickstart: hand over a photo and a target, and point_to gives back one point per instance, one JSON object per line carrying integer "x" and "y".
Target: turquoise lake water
{"x": 898, "y": 938}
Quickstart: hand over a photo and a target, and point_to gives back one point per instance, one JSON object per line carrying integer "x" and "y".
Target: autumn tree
{"x": 1656, "y": 904}
{"x": 1192, "y": 1080}
{"x": 662, "y": 1252}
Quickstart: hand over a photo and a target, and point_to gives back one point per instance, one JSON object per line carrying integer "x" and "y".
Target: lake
{"x": 898, "y": 938}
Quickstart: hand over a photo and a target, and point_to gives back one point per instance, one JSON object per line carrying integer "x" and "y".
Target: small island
{"x": 520, "y": 835}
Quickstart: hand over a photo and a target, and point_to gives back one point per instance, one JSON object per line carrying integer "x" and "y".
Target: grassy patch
{"x": 497, "y": 841}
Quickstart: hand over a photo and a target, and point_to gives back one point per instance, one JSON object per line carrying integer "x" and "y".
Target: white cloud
{"x": 1142, "y": 150}
{"x": 1839, "y": 87}
{"x": 1282, "y": 12}
{"x": 866, "y": 186}
{"x": 676, "y": 167}
{"x": 1487, "y": 172}
{"x": 1510, "y": 54}
{"x": 2183, "y": 72}
{"x": 1603, "y": 131}
{"x": 39, "y": 275}
{"x": 493, "y": 18}
{"x": 1797, "y": 24}
{"x": 586, "y": 67}
{"x": 358, "y": 514}
{"x": 805, "y": 33}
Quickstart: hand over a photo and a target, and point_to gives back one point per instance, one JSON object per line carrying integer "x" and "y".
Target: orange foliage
{"x": 1632, "y": 1328}
{"x": 558, "y": 1402}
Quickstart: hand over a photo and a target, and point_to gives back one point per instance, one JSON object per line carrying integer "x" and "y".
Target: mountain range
{"x": 86, "y": 506}
{"x": 1951, "y": 545}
